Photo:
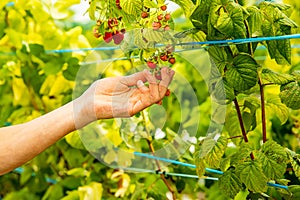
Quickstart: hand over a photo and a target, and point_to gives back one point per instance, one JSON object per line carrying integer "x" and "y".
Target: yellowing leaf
{"x": 251, "y": 174}
{"x": 92, "y": 191}
{"x": 230, "y": 183}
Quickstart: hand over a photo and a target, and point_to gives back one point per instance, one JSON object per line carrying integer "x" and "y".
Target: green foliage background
{"x": 34, "y": 81}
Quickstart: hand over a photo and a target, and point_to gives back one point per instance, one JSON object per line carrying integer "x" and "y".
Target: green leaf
{"x": 26, "y": 174}
{"x": 219, "y": 57}
{"x": 295, "y": 190}
{"x": 277, "y": 78}
{"x": 132, "y": 7}
{"x": 276, "y": 23}
{"x": 54, "y": 192}
{"x": 274, "y": 107}
{"x": 290, "y": 95}
{"x": 242, "y": 195}
{"x": 93, "y": 190}
{"x": 200, "y": 16}
{"x": 213, "y": 158}
{"x": 251, "y": 174}
{"x": 295, "y": 161}
{"x": 200, "y": 166}
{"x": 72, "y": 195}
{"x": 73, "y": 67}
{"x": 74, "y": 140}
{"x": 187, "y": 6}
{"x": 53, "y": 66}
{"x": 242, "y": 155}
{"x": 254, "y": 21}
{"x": 273, "y": 158}
{"x": 242, "y": 74}
{"x": 230, "y": 183}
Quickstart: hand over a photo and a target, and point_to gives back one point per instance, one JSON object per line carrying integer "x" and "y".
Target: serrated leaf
{"x": 132, "y": 7}
{"x": 197, "y": 17}
{"x": 273, "y": 158}
{"x": 212, "y": 151}
{"x": 271, "y": 168}
{"x": 251, "y": 174}
{"x": 242, "y": 155}
{"x": 276, "y": 108}
{"x": 276, "y": 23}
{"x": 254, "y": 21}
{"x": 242, "y": 195}
{"x": 214, "y": 157}
{"x": 187, "y": 6}
{"x": 295, "y": 190}
{"x": 93, "y": 190}
{"x": 277, "y": 78}
{"x": 200, "y": 166}
{"x": 219, "y": 57}
{"x": 290, "y": 95}
{"x": 242, "y": 74}
{"x": 230, "y": 183}
{"x": 295, "y": 162}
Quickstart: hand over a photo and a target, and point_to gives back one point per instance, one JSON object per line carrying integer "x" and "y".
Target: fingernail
{"x": 140, "y": 83}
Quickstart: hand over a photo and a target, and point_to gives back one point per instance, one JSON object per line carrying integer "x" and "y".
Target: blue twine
{"x": 194, "y": 166}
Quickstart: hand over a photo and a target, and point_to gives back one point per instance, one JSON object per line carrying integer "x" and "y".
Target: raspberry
{"x": 123, "y": 30}
{"x": 151, "y": 65}
{"x": 167, "y": 28}
{"x": 144, "y": 14}
{"x": 160, "y": 17}
{"x": 107, "y": 37}
{"x": 163, "y": 8}
{"x": 156, "y": 25}
{"x": 167, "y": 17}
{"x": 168, "y": 92}
{"x": 118, "y": 37}
{"x": 172, "y": 60}
{"x": 164, "y": 57}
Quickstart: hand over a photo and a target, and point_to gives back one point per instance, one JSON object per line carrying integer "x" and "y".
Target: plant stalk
{"x": 162, "y": 176}
{"x": 263, "y": 111}
{"x": 238, "y": 110}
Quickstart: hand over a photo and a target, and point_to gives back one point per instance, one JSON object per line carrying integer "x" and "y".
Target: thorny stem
{"x": 162, "y": 176}
{"x": 237, "y": 107}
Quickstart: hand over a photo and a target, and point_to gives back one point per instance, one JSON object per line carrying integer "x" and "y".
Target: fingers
{"x": 131, "y": 80}
{"x": 167, "y": 76}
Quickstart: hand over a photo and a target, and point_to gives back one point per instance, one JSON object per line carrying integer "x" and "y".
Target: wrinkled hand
{"x": 120, "y": 96}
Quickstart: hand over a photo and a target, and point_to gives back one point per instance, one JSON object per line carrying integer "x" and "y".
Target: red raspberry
{"x": 172, "y": 60}
{"x": 108, "y": 37}
{"x": 168, "y": 92}
{"x": 118, "y": 37}
{"x": 156, "y": 25}
{"x": 167, "y": 17}
{"x": 163, "y": 8}
{"x": 160, "y": 17}
{"x": 164, "y": 57}
{"x": 144, "y": 14}
{"x": 167, "y": 28}
{"x": 151, "y": 65}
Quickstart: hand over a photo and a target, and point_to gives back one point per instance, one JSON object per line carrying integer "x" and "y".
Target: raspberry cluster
{"x": 161, "y": 18}
{"x": 110, "y": 29}
{"x": 161, "y": 57}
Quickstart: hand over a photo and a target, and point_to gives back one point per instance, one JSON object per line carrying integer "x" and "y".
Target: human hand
{"x": 120, "y": 96}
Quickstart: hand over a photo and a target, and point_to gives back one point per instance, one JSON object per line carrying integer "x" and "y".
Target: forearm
{"x": 21, "y": 143}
